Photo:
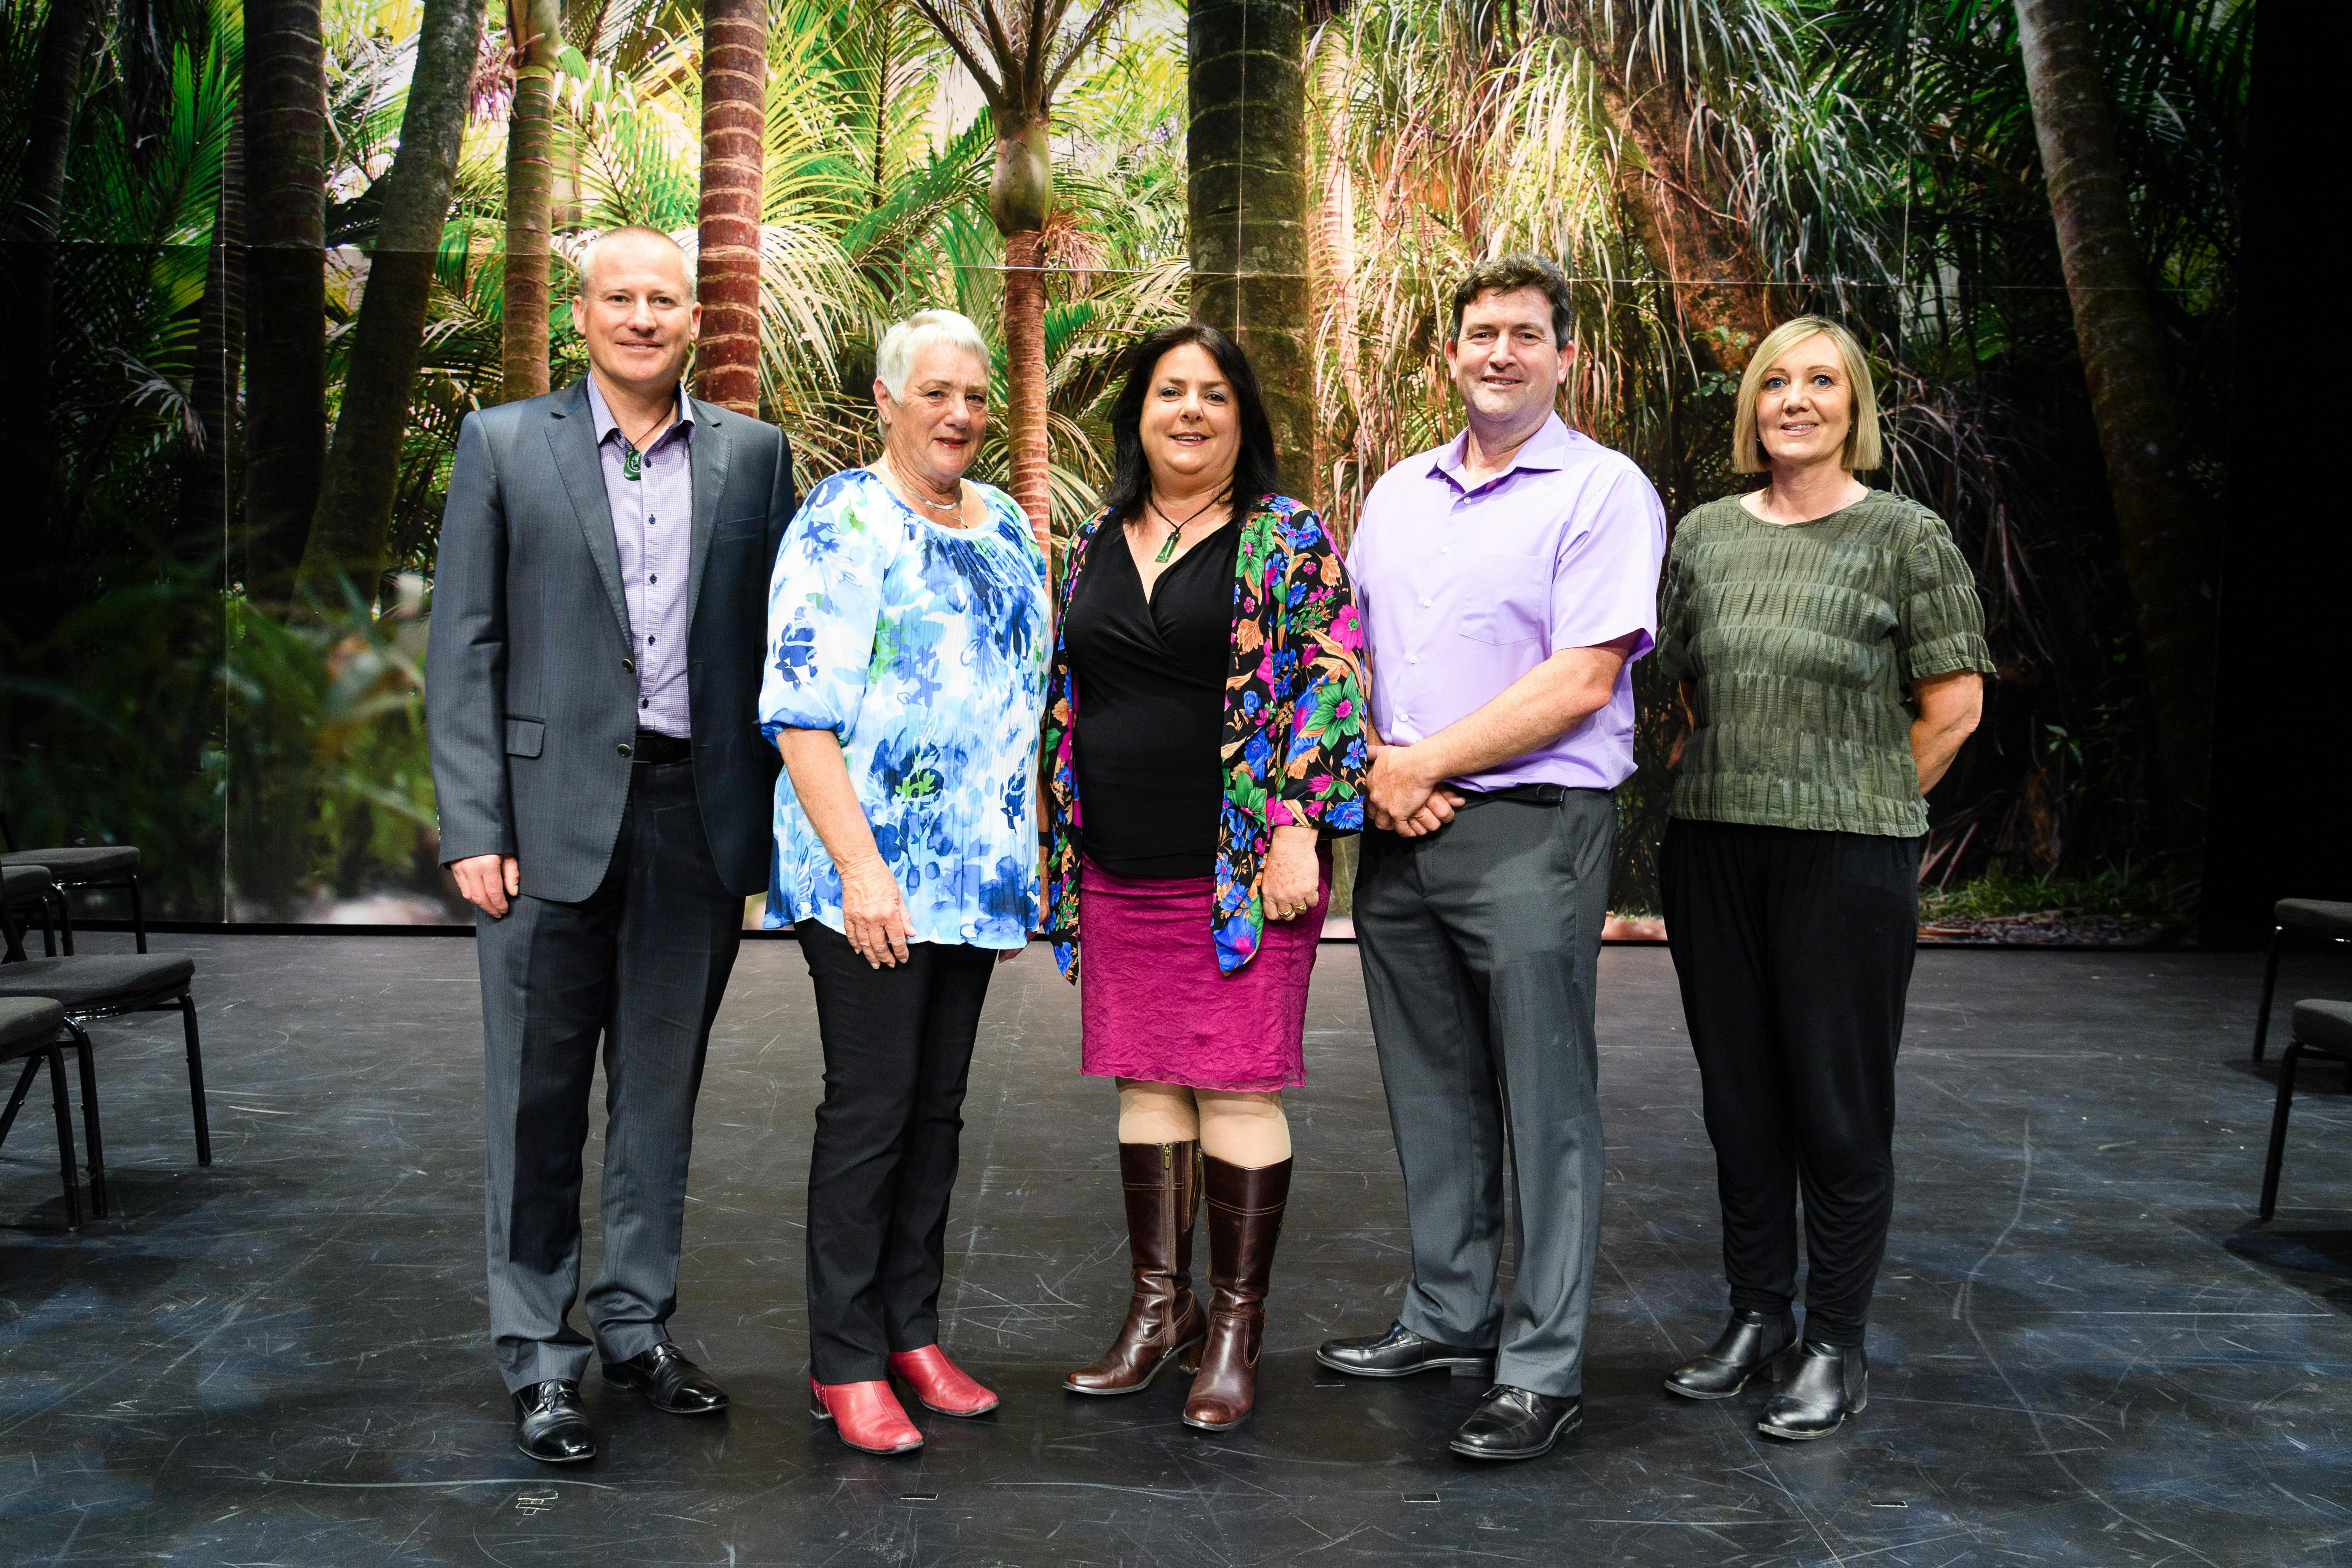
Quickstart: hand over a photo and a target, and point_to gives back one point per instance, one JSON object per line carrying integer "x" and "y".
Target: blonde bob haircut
{"x": 1862, "y": 451}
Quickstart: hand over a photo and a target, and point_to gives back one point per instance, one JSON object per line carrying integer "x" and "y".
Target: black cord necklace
{"x": 1175, "y": 529}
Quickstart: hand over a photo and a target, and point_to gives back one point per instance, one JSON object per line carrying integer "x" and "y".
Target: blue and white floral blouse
{"x": 924, "y": 648}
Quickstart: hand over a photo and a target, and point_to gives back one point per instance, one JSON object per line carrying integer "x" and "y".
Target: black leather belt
{"x": 1527, "y": 794}
{"x": 652, "y": 746}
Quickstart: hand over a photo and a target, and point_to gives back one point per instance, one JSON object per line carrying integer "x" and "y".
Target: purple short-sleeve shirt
{"x": 1463, "y": 590}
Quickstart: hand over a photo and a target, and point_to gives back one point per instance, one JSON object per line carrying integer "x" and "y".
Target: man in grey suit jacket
{"x": 599, "y": 616}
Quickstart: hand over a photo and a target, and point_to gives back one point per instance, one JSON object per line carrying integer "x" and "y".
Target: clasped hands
{"x": 1401, "y": 793}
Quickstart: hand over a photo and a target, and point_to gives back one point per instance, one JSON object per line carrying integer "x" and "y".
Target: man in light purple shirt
{"x": 652, "y": 498}
{"x": 1507, "y": 580}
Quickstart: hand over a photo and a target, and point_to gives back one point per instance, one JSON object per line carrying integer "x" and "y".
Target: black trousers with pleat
{"x": 897, "y": 1051}
{"x": 1794, "y": 950}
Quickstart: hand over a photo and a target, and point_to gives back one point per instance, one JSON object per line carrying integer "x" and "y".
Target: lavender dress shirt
{"x": 1465, "y": 589}
{"x": 653, "y": 523}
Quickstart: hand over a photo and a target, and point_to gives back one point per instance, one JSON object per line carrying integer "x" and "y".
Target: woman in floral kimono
{"x": 1205, "y": 741}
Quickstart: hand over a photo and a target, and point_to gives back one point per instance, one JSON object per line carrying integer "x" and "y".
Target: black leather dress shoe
{"x": 673, "y": 1383}
{"x": 1517, "y": 1424}
{"x": 1751, "y": 1345}
{"x": 1401, "y": 1352}
{"x": 550, "y": 1425}
{"x": 1827, "y": 1386}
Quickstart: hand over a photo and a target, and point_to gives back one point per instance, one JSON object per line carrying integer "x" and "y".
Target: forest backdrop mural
{"x": 262, "y": 258}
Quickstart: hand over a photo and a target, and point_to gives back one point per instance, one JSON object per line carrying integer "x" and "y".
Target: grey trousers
{"x": 641, "y": 964}
{"x": 1480, "y": 945}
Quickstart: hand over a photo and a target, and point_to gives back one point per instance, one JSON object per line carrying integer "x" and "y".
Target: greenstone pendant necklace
{"x": 1176, "y": 530}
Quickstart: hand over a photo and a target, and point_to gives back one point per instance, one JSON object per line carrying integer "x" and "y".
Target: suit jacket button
{"x": 630, "y": 665}
{"x": 624, "y": 748}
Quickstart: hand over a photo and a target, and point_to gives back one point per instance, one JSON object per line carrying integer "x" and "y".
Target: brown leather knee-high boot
{"x": 1164, "y": 1317}
{"x": 1244, "y": 1219}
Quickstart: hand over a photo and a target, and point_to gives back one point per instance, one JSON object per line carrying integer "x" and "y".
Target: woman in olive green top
{"x": 1830, "y": 647}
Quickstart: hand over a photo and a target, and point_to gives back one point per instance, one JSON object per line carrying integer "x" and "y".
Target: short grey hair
{"x": 636, "y": 231}
{"x": 894, "y": 361}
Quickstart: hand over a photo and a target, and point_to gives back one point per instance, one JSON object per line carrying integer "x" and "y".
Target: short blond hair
{"x": 1863, "y": 449}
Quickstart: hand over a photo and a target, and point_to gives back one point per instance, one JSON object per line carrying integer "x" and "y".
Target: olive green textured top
{"x": 1801, "y": 642}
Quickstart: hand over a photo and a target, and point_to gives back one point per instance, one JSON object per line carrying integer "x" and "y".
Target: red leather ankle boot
{"x": 867, "y": 1415}
{"x": 940, "y": 1384}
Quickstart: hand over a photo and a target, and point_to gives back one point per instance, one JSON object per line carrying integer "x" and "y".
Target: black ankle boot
{"x": 1751, "y": 1345}
{"x": 1826, "y": 1385}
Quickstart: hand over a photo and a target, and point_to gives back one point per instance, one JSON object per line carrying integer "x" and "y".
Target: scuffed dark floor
{"x": 2085, "y": 1351}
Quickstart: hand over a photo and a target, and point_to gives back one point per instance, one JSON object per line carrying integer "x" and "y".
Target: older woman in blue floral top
{"x": 1205, "y": 737}
{"x": 906, "y": 624}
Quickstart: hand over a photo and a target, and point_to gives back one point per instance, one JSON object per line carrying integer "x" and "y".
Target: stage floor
{"x": 2085, "y": 1351}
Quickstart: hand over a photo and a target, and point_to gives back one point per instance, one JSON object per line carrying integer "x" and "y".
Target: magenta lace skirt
{"x": 1153, "y": 1005}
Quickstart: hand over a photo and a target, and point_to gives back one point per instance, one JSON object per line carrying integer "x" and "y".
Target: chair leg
{"x": 49, "y": 929}
{"x": 2287, "y": 1060}
{"x": 24, "y": 1087}
{"x": 64, "y": 920}
{"x": 2270, "y": 983}
{"x": 138, "y": 915}
{"x": 197, "y": 1081}
{"x": 65, "y": 1137}
{"x": 89, "y": 1121}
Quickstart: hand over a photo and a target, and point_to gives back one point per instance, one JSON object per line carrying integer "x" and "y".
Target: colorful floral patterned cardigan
{"x": 1294, "y": 748}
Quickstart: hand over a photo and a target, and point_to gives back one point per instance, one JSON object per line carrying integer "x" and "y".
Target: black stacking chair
{"x": 2304, "y": 917}
{"x": 33, "y": 1029}
{"x": 2323, "y": 1028}
{"x": 26, "y": 890}
{"x": 77, "y": 867}
{"x": 94, "y": 987}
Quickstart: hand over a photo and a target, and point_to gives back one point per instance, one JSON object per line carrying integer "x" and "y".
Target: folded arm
{"x": 1530, "y": 713}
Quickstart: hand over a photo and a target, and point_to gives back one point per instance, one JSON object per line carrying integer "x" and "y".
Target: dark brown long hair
{"x": 1255, "y": 471}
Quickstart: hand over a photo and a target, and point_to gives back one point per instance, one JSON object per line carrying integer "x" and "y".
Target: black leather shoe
{"x": 672, "y": 1382}
{"x": 1517, "y": 1424}
{"x": 1751, "y": 1345}
{"x": 1401, "y": 1352}
{"x": 550, "y": 1425}
{"x": 1826, "y": 1386}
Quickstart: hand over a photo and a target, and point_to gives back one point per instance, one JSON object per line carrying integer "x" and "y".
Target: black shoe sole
{"x": 1788, "y": 1437}
{"x": 1565, "y": 1430}
{"x": 1149, "y": 1378}
{"x": 1460, "y": 1366}
{"x": 552, "y": 1459}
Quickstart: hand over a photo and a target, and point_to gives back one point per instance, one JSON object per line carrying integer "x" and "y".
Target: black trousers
{"x": 898, "y": 1049}
{"x": 1794, "y": 952}
{"x": 640, "y": 965}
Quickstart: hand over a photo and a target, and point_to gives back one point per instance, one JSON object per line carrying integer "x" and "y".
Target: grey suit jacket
{"x": 531, "y": 698}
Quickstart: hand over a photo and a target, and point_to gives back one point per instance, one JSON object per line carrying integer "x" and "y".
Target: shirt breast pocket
{"x": 1507, "y": 599}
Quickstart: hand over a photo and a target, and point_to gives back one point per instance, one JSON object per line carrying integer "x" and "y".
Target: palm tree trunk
{"x": 1680, "y": 206}
{"x": 285, "y": 103}
{"x": 2168, "y": 548}
{"x": 363, "y": 469}
{"x": 734, "y": 131}
{"x": 535, "y": 28}
{"x": 220, "y": 348}
{"x": 1020, "y": 195}
{"x": 1245, "y": 156}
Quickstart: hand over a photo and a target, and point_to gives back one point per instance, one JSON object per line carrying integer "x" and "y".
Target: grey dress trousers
{"x": 1480, "y": 945}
